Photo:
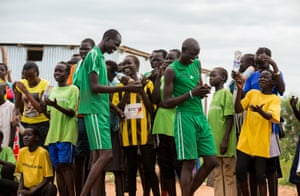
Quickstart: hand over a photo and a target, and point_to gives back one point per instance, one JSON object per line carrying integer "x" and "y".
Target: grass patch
{"x": 285, "y": 168}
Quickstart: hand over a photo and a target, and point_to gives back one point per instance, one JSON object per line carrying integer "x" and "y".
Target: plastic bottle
{"x": 236, "y": 61}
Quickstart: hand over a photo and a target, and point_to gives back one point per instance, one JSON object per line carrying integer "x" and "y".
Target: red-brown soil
{"x": 284, "y": 190}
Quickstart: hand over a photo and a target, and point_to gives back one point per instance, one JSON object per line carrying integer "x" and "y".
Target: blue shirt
{"x": 252, "y": 83}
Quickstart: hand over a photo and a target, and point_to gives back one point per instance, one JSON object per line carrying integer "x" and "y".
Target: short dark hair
{"x": 89, "y": 40}
{"x": 250, "y": 59}
{"x": 74, "y": 59}
{"x": 67, "y": 65}
{"x": 113, "y": 65}
{"x": 31, "y": 65}
{"x": 223, "y": 72}
{"x": 162, "y": 51}
{"x": 111, "y": 33}
{"x": 177, "y": 51}
{"x": 264, "y": 50}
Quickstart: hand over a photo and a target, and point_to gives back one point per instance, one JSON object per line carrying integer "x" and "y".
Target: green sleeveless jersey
{"x": 187, "y": 78}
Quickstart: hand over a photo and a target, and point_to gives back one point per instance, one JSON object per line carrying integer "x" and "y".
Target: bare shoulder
{"x": 169, "y": 73}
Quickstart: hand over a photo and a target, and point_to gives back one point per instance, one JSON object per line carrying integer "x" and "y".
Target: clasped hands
{"x": 201, "y": 91}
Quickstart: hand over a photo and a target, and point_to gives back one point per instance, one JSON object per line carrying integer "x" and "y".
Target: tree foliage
{"x": 291, "y": 128}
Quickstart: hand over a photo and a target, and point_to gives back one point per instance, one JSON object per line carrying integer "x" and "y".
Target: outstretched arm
{"x": 97, "y": 88}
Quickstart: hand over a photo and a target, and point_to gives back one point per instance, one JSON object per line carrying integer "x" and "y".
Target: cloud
{"x": 221, "y": 27}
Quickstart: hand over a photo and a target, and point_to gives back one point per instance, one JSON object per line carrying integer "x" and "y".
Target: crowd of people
{"x": 107, "y": 116}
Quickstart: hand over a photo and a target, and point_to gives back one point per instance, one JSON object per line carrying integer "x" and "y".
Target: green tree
{"x": 291, "y": 128}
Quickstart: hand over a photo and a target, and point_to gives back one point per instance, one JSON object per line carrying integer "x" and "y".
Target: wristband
{"x": 191, "y": 95}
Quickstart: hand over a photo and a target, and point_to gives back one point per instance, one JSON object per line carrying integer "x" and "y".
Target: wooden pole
{"x": 4, "y": 54}
{"x": 5, "y": 61}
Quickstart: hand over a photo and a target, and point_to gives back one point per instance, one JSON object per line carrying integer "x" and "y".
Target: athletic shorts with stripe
{"x": 98, "y": 131}
{"x": 193, "y": 136}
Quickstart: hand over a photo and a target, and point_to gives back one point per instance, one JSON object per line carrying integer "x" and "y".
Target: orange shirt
{"x": 70, "y": 77}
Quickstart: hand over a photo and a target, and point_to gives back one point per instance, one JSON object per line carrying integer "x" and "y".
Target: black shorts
{"x": 167, "y": 157}
{"x": 294, "y": 178}
{"x": 82, "y": 148}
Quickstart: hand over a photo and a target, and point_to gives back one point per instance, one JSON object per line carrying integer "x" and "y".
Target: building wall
{"x": 17, "y": 56}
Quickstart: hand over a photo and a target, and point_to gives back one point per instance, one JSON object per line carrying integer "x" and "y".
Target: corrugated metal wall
{"x": 51, "y": 56}
{"x": 17, "y": 56}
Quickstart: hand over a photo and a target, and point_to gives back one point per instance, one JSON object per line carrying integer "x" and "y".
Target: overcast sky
{"x": 221, "y": 27}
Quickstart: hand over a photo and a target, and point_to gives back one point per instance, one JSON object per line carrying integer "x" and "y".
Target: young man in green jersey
{"x": 94, "y": 105}
{"x": 183, "y": 89}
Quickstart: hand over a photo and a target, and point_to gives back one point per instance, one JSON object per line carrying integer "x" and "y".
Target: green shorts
{"x": 193, "y": 136}
{"x": 98, "y": 131}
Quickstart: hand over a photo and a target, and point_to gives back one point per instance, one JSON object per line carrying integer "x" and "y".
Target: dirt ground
{"x": 203, "y": 190}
